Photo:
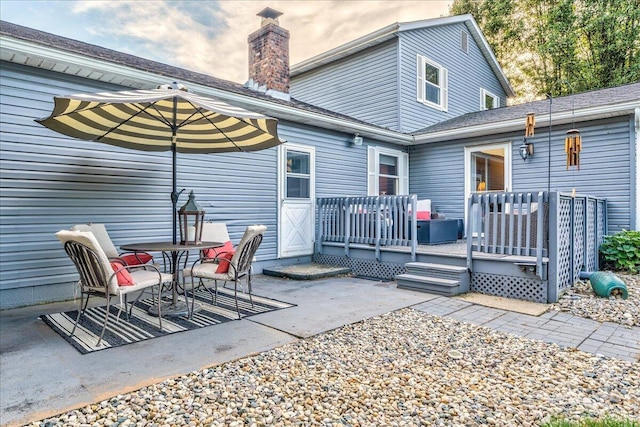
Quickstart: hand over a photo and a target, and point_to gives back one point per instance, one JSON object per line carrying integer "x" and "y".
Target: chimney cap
{"x": 267, "y": 13}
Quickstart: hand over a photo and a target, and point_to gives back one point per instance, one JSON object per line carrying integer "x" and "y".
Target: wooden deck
{"x": 532, "y": 245}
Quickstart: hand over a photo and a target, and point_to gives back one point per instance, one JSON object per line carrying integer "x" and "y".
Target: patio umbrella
{"x": 163, "y": 119}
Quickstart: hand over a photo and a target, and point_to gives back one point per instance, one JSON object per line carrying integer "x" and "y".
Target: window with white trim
{"x": 388, "y": 172}
{"x": 488, "y": 101}
{"x": 432, "y": 83}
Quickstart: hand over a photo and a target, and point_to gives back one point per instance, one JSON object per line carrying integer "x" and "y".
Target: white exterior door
{"x": 296, "y": 192}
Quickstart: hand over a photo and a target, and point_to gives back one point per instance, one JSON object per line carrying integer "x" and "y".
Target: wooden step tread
{"x": 426, "y": 279}
{"x": 430, "y": 266}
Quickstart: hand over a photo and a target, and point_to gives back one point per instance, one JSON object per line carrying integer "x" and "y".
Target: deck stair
{"x": 441, "y": 279}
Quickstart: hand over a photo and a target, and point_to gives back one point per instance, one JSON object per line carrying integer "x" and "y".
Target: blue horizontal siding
{"x": 50, "y": 182}
{"x": 468, "y": 73}
{"x": 363, "y": 85}
{"x": 437, "y": 170}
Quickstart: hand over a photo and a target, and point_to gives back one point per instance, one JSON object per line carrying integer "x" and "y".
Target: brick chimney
{"x": 269, "y": 54}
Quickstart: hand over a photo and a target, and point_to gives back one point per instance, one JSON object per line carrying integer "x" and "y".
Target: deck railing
{"x": 510, "y": 224}
{"x": 578, "y": 224}
{"x": 373, "y": 220}
{"x": 566, "y": 228}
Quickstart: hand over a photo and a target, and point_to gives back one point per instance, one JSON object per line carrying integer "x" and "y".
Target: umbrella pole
{"x": 174, "y": 194}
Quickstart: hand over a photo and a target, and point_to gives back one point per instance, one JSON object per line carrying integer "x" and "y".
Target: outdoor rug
{"x": 142, "y": 326}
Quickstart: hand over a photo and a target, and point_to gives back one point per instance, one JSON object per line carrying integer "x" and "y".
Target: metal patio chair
{"x": 99, "y": 276}
{"x": 227, "y": 266}
{"x": 101, "y": 234}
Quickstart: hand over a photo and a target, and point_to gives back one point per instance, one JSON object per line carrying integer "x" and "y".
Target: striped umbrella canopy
{"x": 163, "y": 119}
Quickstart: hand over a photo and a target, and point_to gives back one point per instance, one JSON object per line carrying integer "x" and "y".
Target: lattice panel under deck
{"x": 578, "y": 238}
{"x": 592, "y": 253}
{"x": 528, "y": 289}
{"x": 564, "y": 244}
{"x": 362, "y": 267}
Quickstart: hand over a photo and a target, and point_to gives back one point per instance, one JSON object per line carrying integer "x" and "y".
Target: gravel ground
{"x": 582, "y": 301}
{"x": 405, "y": 368}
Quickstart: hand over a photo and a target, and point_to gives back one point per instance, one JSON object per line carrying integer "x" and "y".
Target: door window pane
{"x": 297, "y": 188}
{"x": 297, "y": 162}
{"x": 298, "y": 180}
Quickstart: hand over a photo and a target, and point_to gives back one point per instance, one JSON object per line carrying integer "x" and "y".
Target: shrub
{"x": 621, "y": 251}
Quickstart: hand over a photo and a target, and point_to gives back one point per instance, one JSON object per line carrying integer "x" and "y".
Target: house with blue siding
{"x": 429, "y": 119}
{"x": 406, "y": 76}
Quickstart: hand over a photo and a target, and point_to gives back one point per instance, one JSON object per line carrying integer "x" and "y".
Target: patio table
{"x": 173, "y": 253}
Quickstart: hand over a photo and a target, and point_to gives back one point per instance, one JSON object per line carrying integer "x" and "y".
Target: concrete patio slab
{"x": 306, "y": 271}
{"x": 43, "y": 375}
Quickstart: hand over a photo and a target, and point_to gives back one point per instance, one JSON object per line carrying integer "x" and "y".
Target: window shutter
{"x": 482, "y": 102}
{"x": 420, "y": 78}
{"x": 372, "y": 168}
{"x": 404, "y": 173}
{"x": 445, "y": 89}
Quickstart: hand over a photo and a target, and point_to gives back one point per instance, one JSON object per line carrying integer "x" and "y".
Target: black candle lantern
{"x": 191, "y": 217}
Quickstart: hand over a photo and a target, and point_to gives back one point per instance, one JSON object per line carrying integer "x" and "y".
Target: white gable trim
{"x": 392, "y": 30}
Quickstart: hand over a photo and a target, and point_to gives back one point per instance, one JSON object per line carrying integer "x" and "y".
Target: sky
{"x": 211, "y": 36}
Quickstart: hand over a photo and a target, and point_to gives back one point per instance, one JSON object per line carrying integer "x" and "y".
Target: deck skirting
{"x": 508, "y": 286}
{"x": 363, "y": 267}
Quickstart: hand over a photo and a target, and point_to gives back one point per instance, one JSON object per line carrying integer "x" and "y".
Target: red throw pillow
{"x": 223, "y": 264}
{"x": 137, "y": 258}
{"x": 212, "y": 253}
{"x": 124, "y": 277}
{"x": 422, "y": 215}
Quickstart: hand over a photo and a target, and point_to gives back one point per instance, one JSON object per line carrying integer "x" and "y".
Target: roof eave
{"x": 391, "y": 31}
{"x": 475, "y": 31}
{"x": 512, "y": 125}
{"x": 345, "y": 50}
{"x": 50, "y": 58}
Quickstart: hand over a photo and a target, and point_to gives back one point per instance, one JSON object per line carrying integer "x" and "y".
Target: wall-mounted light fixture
{"x": 526, "y": 149}
{"x": 357, "y": 139}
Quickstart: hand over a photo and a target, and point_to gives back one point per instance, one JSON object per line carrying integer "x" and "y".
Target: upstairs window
{"x": 432, "y": 84}
{"x": 488, "y": 101}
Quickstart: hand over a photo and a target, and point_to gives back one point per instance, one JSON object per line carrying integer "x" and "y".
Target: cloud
{"x": 211, "y": 36}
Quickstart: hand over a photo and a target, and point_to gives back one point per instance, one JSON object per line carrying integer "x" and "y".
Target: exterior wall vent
{"x": 464, "y": 41}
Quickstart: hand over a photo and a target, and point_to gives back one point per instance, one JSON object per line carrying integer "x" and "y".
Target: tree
{"x": 560, "y": 46}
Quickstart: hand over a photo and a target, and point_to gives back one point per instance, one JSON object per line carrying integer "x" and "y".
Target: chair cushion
{"x": 88, "y": 239}
{"x": 214, "y": 252}
{"x": 123, "y": 276}
{"x": 137, "y": 258}
{"x": 223, "y": 264}
{"x": 101, "y": 234}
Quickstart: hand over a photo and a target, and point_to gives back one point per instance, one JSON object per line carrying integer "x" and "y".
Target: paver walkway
{"x": 564, "y": 329}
